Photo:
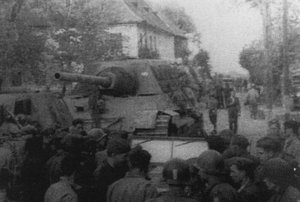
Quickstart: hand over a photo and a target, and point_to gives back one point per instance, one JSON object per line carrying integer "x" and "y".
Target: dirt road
{"x": 252, "y": 129}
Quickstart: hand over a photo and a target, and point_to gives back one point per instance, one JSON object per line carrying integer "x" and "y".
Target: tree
{"x": 180, "y": 18}
{"x": 251, "y": 58}
{"x": 202, "y": 59}
{"x": 40, "y": 36}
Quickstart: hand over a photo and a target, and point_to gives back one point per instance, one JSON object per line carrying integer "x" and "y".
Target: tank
{"x": 146, "y": 97}
{"x": 45, "y": 107}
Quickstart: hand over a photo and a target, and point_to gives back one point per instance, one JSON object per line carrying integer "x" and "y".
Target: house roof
{"x": 138, "y": 11}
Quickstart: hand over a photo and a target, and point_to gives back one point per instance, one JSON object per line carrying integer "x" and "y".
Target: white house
{"x": 142, "y": 28}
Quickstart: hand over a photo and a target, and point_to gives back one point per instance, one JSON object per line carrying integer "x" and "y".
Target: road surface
{"x": 252, "y": 129}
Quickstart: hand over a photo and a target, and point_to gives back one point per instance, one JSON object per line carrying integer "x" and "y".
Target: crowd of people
{"x": 71, "y": 165}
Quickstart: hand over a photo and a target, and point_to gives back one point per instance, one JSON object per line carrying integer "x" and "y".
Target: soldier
{"x": 234, "y": 111}
{"x": 227, "y": 94}
{"x": 278, "y": 176}
{"x": 292, "y": 143}
{"x": 238, "y": 148}
{"x": 62, "y": 190}
{"x": 268, "y": 148}
{"x": 177, "y": 174}
{"x": 77, "y": 127}
{"x": 134, "y": 186}
{"x": 274, "y": 129}
{"x": 113, "y": 168}
{"x": 213, "y": 111}
{"x": 220, "y": 96}
{"x": 212, "y": 170}
{"x": 252, "y": 101}
{"x": 242, "y": 173}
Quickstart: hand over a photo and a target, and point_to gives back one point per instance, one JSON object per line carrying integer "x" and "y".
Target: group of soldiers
{"x": 71, "y": 164}
{"x": 225, "y": 98}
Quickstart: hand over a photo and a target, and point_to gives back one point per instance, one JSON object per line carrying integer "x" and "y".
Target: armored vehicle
{"x": 46, "y": 108}
{"x": 146, "y": 97}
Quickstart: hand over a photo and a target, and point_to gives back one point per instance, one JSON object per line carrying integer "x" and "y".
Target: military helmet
{"x": 176, "y": 172}
{"x": 211, "y": 162}
{"x": 278, "y": 171}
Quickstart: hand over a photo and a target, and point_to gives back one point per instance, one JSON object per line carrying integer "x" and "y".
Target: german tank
{"x": 146, "y": 97}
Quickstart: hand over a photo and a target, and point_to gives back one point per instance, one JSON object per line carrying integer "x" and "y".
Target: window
{"x": 23, "y": 107}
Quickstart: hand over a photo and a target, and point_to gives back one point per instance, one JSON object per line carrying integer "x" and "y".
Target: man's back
{"x": 60, "y": 192}
{"x": 105, "y": 176}
{"x": 131, "y": 188}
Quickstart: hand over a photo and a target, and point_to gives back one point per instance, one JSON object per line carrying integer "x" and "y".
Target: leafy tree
{"x": 178, "y": 16}
{"x": 251, "y": 58}
{"x": 60, "y": 35}
{"x": 202, "y": 59}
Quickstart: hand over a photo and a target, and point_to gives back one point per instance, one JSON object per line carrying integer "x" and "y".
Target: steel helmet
{"x": 211, "y": 162}
{"x": 278, "y": 171}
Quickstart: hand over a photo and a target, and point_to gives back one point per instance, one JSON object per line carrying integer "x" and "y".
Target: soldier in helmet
{"x": 279, "y": 177}
{"x": 212, "y": 170}
{"x": 177, "y": 174}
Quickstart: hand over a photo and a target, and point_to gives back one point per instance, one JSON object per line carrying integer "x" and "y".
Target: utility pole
{"x": 265, "y": 9}
{"x": 285, "y": 62}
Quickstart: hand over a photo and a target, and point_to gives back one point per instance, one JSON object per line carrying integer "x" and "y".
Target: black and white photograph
{"x": 149, "y": 100}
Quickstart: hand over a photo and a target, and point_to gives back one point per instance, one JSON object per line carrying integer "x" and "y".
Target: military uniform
{"x": 233, "y": 113}
{"x": 131, "y": 188}
{"x": 252, "y": 100}
{"x": 290, "y": 194}
{"x": 61, "y": 192}
{"x": 292, "y": 147}
{"x": 249, "y": 193}
{"x": 213, "y": 111}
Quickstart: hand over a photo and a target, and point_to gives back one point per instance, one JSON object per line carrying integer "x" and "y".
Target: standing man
{"x": 213, "y": 111}
{"x": 252, "y": 100}
{"x": 292, "y": 142}
{"x": 220, "y": 97}
{"x": 234, "y": 110}
{"x": 227, "y": 94}
{"x": 112, "y": 169}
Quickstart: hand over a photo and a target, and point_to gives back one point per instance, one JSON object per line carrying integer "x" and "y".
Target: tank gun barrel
{"x": 114, "y": 80}
{"x": 104, "y": 81}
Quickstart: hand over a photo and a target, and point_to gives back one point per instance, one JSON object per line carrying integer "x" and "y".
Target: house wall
{"x": 129, "y": 34}
{"x": 135, "y": 37}
{"x": 161, "y": 42}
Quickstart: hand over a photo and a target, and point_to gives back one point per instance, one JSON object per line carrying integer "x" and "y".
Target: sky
{"x": 225, "y": 28}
